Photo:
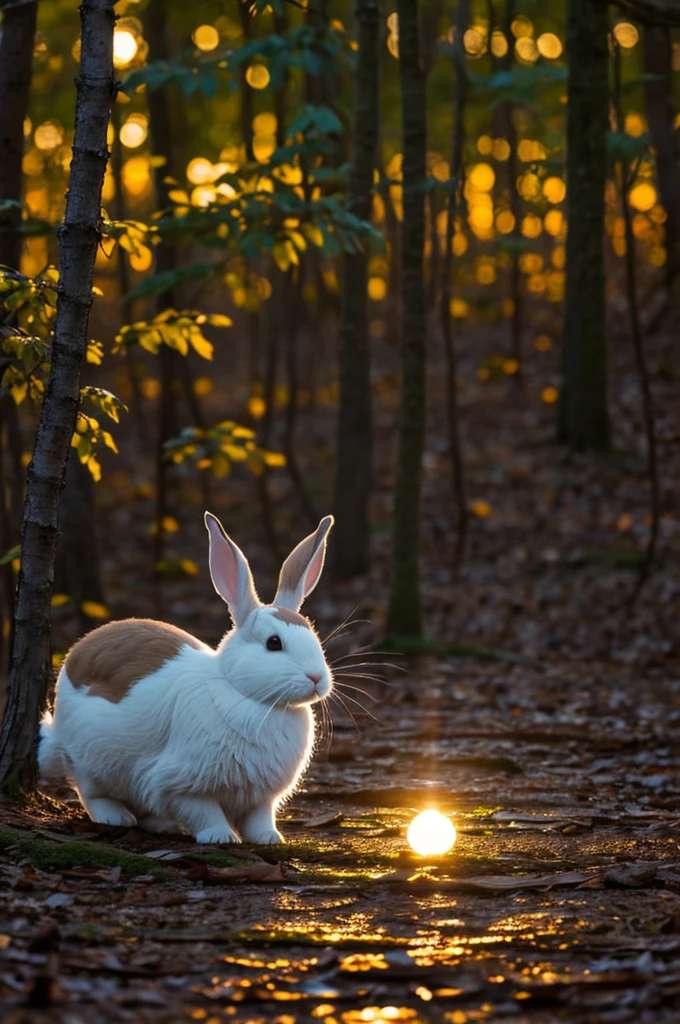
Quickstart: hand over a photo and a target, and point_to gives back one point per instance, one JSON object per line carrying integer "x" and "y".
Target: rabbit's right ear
{"x": 230, "y": 572}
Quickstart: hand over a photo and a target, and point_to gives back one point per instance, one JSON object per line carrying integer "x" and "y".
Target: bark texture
{"x": 79, "y": 237}
{"x": 16, "y": 61}
{"x": 404, "y": 608}
{"x": 353, "y": 465}
{"x": 584, "y": 419}
{"x": 452, "y": 211}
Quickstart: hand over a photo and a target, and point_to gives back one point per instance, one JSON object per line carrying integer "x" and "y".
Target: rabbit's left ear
{"x": 230, "y": 572}
{"x": 301, "y": 571}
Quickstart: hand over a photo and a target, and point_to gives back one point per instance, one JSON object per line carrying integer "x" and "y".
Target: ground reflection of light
{"x": 431, "y": 833}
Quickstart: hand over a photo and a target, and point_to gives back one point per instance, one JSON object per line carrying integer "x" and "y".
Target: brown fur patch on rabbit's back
{"x": 112, "y": 658}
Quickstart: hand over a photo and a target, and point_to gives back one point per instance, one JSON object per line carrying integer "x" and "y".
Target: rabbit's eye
{"x": 274, "y": 643}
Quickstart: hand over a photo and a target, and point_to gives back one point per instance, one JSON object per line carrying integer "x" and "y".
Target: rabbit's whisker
{"x": 345, "y": 696}
{"x": 338, "y": 698}
{"x": 358, "y": 689}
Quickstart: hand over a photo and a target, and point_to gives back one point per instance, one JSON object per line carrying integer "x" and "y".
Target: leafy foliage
{"x": 219, "y": 447}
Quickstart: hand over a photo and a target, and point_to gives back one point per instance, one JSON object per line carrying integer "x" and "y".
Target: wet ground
{"x": 559, "y": 902}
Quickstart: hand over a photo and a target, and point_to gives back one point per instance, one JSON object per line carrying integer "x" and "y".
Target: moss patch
{"x": 44, "y": 853}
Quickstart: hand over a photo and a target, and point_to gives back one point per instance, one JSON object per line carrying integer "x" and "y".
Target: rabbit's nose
{"x": 315, "y": 677}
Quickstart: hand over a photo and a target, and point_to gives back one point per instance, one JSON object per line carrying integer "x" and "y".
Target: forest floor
{"x": 560, "y": 900}
{"x": 559, "y": 759}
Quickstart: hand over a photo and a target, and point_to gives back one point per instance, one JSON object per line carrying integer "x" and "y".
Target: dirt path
{"x": 560, "y": 900}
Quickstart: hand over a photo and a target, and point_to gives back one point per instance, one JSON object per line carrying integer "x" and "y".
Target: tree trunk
{"x": 354, "y": 439}
{"x": 584, "y": 419}
{"x": 16, "y": 62}
{"x": 404, "y": 609}
{"x": 78, "y": 569}
{"x": 660, "y": 117}
{"x": 453, "y": 206}
{"x": 79, "y": 237}
{"x": 163, "y": 135}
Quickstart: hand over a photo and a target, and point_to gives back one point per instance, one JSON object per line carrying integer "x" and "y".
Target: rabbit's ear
{"x": 301, "y": 571}
{"x": 230, "y": 572}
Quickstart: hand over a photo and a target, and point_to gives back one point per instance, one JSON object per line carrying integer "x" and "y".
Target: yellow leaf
{"x": 190, "y": 567}
{"x": 170, "y": 524}
{"x": 108, "y": 441}
{"x": 19, "y": 392}
{"x": 94, "y": 468}
{"x": 274, "y": 458}
{"x": 298, "y": 240}
{"x": 220, "y": 320}
{"x": 59, "y": 599}
{"x": 314, "y": 234}
{"x": 94, "y": 610}
{"x": 178, "y": 195}
{"x": 201, "y": 345}
{"x": 96, "y": 290}
{"x": 281, "y": 256}
{"x": 235, "y": 453}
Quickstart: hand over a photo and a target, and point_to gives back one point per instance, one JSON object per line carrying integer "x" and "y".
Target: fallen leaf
{"x": 332, "y": 818}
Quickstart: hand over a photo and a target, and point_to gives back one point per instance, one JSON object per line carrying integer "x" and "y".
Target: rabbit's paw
{"x": 272, "y": 837}
{"x": 110, "y": 812}
{"x": 217, "y": 834}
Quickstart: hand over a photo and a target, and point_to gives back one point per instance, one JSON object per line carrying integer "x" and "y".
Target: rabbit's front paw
{"x": 270, "y": 838}
{"x": 217, "y": 834}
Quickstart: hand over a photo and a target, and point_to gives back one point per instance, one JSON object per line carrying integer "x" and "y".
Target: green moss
{"x": 44, "y": 853}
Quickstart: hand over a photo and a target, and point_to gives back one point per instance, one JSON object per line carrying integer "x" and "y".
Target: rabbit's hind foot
{"x": 108, "y": 812}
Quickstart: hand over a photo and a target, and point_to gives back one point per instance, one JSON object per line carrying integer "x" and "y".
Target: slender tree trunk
{"x": 404, "y": 608}
{"x": 660, "y": 117}
{"x": 354, "y": 438}
{"x": 16, "y": 61}
{"x": 584, "y": 418}
{"x": 455, "y": 454}
{"x": 162, "y": 132}
{"x": 79, "y": 237}
{"x": 626, "y": 180}
{"x": 78, "y": 561}
{"x": 507, "y": 119}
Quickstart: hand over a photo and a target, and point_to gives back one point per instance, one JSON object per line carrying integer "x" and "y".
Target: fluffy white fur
{"x": 214, "y": 740}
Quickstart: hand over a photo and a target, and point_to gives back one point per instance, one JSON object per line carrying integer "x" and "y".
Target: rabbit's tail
{"x": 50, "y": 756}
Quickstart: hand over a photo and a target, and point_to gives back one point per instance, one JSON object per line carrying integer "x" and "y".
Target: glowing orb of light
{"x": 431, "y": 833}
{"x": 124, "y": 47}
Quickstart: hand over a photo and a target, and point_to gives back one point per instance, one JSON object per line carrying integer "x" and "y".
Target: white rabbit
{"x": 159, "y": 729}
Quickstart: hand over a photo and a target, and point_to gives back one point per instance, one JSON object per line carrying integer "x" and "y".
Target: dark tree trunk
{"x": 455, "y": 453}
{"x": 78, "y": 567}
{"x": 79, "y": 237}
{"x": 354, "y": 440}
{"x": 584, "y": 419}
{"x": 16, "y": 61}
{"x": 660, "y": 118}
{"x": 404, "y": 607}
{"x": 506, "y": 114}
{"x": 163, "y": 136}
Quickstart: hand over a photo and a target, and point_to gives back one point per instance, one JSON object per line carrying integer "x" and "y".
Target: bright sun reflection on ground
{"x": 431, "y": 833}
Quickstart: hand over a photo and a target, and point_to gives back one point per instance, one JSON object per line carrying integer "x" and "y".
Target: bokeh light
{"x": 549, "y": 45}
{"x": 431, "y": 833}
{"x": 124, "y": 47}
{"x": 48, "y": 136}
{"x": 133, "y": 133}
{"x": 257, "y": 76}
{"x": 626, "y": 34}
{"x": 206, "y": 37}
